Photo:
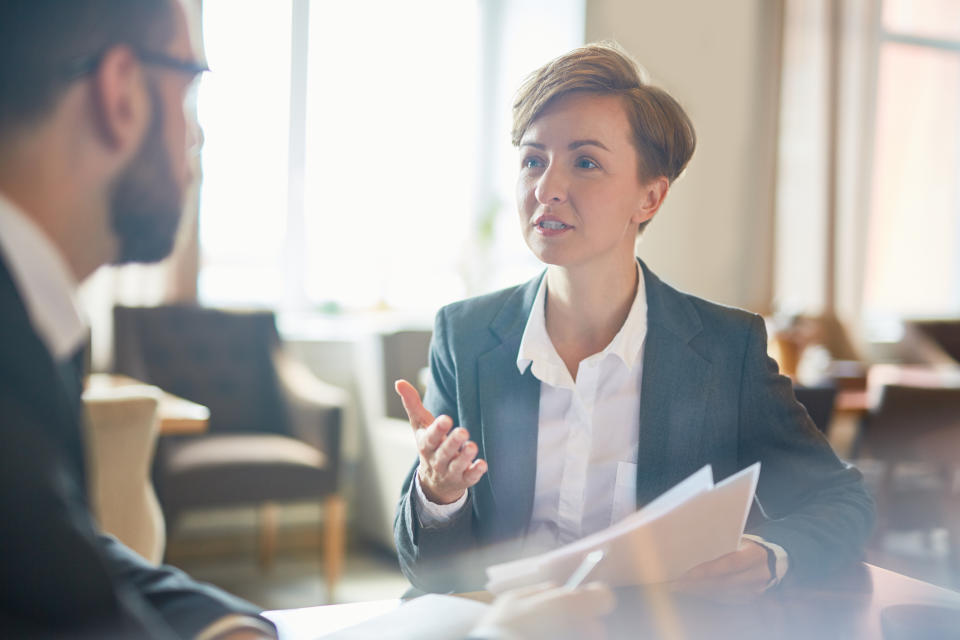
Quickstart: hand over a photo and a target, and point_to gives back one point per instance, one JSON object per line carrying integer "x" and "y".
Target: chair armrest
{"x": 316, "y": 409}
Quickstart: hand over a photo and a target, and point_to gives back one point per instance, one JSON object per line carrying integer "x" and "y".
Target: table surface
{"x": 847, "y": 608}
{"x": 177, "y": 415}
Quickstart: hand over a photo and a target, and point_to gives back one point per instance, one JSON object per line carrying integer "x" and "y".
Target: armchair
{"x": 274, "y": 429}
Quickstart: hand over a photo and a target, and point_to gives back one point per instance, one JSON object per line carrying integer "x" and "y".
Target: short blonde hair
{"x": 662, "y": 132}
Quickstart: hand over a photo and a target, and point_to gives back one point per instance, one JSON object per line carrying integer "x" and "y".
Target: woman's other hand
{"x": 546, "y": 611}
{"x": 739, "y": 576}
{"x": 447, "y": 456}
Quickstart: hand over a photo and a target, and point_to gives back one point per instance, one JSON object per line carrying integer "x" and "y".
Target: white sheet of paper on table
{"x": 429, "y": 617}
{"x": 693, "y": 522}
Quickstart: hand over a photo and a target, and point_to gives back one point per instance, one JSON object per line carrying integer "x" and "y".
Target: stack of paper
{"x": 694, "y": 522}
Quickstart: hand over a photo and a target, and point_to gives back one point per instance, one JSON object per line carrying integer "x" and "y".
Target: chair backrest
{"x": 905, "y": 415}
{"x": 819, "y": 403}
{"x": 945, "y": 333}
{"x": 405, "y": 353}
{"x": 221, "y": 359}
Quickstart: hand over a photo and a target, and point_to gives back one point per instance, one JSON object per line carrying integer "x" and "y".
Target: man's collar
{"x": 43, "y": 280}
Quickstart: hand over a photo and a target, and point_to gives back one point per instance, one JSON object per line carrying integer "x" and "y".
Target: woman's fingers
{"x": 450, "y": 448}
{"x": 734, "y": 577}
{"x": 463, "y": 459}
{"x": 447, "y": 456}
{"x": 430, "y": 438}
{"x": 417, "y": 414}
{"x": 474, "y": 472}
{"x": 749, "y": 557}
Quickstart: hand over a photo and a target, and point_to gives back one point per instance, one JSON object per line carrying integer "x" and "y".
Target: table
{"x": 847, "y": 608}
{"x": 177, "y": 415}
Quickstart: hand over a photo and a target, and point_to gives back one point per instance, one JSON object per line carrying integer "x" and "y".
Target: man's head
{"x": 663, "y": 134}
{"x": 105, "y": 80}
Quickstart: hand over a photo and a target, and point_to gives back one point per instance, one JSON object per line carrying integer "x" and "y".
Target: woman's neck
{"x": 585, "y": 309}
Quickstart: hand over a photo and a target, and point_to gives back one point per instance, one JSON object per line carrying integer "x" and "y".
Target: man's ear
{"x": 651, "y": 198}
{"x": 122, "y": 104}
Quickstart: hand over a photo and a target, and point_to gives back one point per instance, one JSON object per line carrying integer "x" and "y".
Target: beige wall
{"x": 720, "y": 59}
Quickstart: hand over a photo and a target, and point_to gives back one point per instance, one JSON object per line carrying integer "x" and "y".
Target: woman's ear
{"x": 651, "y": 197}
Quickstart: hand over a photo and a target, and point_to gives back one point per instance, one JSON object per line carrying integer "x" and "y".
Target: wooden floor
{"x": 297, "y": 579}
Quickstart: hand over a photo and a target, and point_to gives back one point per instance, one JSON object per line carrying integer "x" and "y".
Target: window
{"x": 897, "y": 199}
{"x": 357, "y": 154}
{"x": 913, "y": 247}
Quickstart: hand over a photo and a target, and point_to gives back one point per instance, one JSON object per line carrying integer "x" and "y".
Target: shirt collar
{"x": 537, "y": 351}
{"x": 43, "y": 280}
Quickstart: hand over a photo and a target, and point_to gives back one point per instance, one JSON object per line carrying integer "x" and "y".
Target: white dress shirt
{"x": 587, "y": 432}
{"x": 44, "y": 281}
{"x": 49, "y": 293}
{"x": 587, "y": 438}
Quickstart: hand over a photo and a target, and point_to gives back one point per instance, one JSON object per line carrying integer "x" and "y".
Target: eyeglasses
{"x": 189, "y": 67}
{"x": 87, "y": 65}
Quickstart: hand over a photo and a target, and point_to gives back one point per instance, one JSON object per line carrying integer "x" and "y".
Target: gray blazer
{"x": 709, "y": 394}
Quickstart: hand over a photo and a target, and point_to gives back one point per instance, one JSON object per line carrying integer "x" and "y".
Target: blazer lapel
{"x": 672, "y": 393}
{"x": 509, "y": 413}
{"x": 28, "y": 371}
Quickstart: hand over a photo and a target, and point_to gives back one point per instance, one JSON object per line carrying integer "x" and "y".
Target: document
{"x": 429, "y": 617}
{"x": 694, "y": 522}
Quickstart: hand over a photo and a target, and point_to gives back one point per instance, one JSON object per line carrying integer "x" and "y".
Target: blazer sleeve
{"x": 434, "y": 558}
{"x": 810, "y": 503}
{"x": 56, "y": 569}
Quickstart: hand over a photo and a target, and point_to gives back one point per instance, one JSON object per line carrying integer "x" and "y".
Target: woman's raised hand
{"x": 447, "y": 466}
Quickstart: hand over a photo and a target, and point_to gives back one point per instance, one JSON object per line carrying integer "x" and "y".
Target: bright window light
{"x": 357, "y": 154}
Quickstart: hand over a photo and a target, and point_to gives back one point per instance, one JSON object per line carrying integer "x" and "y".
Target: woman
{"x": 595, "y": 387}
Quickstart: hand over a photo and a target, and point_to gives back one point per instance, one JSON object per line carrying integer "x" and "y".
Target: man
{"x": 93, "y": 170}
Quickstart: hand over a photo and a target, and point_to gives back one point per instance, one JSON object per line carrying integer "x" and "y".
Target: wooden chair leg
{"x": 268, "y": 516}
{"x": 334, "y": 540}
{"x": 883, "y": 505}
{"x": 951, "y": 520}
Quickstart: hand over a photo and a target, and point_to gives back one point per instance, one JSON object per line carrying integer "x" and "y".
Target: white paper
{"x": 310, "y": 623}
{"x": 430, "y": 617}
{"x": 692, "y": 523}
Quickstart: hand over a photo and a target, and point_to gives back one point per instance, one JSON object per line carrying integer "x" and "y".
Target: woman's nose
{"x": 551, "y": 187}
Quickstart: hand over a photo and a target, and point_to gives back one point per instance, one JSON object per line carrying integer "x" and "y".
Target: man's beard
{"x": 147, "y": 202}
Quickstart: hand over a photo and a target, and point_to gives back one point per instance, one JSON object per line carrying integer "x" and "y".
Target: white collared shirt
{"x": 44, "y": 281}
{"x": 588, "y": 428}
{"x": 588, "y": 431}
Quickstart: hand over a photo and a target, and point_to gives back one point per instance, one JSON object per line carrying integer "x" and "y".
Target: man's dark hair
{"x": 42, "y": 41}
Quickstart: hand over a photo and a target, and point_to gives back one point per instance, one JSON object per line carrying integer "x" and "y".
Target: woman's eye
{"x": 587, "y": 163}
{"x": 532, "y": 163}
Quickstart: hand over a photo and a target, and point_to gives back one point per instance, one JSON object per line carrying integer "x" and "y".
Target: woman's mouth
{"x": 551, "y": 227}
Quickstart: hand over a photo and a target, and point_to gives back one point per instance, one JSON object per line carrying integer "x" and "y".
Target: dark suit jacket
{"x": 709, "y": 394}
{"x": 58, "y": 575}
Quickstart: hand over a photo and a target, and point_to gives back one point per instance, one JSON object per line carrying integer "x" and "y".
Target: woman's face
{"x": 578, "y": 193}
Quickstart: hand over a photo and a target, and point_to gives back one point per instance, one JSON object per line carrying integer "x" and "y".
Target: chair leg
{"x": 883, "y": 505}
{"x": 334, "y": 540}
{"x": 268, "y": 534}
{"x": 951, "y": 519}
